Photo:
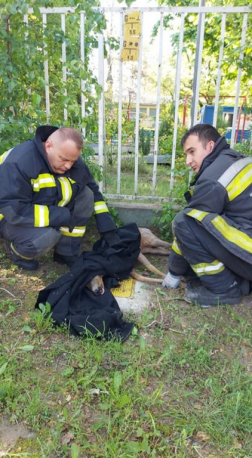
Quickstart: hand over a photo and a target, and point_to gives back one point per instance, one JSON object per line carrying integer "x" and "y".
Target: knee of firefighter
{"x": 84, "y": 204}
{"x": 46, "y": 240}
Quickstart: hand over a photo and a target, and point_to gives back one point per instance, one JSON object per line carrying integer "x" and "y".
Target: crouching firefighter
{"x": 47, "y": 196}
{"x": 213, "y": 235}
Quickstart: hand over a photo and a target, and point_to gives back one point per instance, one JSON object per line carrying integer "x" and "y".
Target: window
{"x": 143, "y": 110}
{"x": 132, "y": 113}
{"x": 153, "y": 112}
{"x": 228, "y": 118}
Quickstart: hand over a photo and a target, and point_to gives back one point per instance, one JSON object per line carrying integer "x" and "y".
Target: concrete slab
{"x": 161, "y": 159}
{"x": 140, "y": 301}
{"x": 140, "y": 213}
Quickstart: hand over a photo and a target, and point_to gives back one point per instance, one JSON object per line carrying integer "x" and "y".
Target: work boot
{"x": 26, "y": 264}
{"x": 61, "y": 259}
{"x": 206, "y": 298}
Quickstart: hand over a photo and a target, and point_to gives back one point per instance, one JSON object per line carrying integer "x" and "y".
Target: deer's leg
{"x": 150, "y": 266}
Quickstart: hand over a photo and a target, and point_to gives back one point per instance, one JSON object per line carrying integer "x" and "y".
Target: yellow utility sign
{"x": 131, "y": 41}
{"x": 129, "y": 55}
{"x": 132, "y": 29}
{"x": 133, "y": 17}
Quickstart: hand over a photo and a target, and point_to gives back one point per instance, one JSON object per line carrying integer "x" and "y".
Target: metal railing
{"x": 121, "y": 12}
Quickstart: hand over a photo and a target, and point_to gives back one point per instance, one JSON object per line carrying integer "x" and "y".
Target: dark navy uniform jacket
{"x": 32, "y": 195}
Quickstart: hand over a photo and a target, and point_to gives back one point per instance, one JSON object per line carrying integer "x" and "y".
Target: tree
{"x": 231, "y": 59}
{"x": 21, "y": 67}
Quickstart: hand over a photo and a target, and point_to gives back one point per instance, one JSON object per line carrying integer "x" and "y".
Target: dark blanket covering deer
{"x": 74, "y": 304}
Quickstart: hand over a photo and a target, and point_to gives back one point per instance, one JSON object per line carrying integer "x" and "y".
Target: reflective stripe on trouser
{"x": 216, "y": 267}
{"x": 30, "y": 242}
{"x": 69, "y": 243}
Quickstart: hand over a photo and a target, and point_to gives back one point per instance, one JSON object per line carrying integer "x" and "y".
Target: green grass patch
{"x": 179, "y": 387}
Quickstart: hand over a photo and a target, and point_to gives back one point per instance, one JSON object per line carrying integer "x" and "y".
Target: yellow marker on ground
{"x": 126, "y": 288}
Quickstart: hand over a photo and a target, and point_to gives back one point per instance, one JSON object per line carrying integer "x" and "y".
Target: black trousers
{"x": 31, "y": 242}
{"x": 201, "y": 252}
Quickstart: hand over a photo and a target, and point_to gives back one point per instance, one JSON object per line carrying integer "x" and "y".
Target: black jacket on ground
{"x": 72, "y": 303}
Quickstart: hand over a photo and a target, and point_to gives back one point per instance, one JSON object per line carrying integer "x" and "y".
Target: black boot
{"x": 61, "y": 259}
{"x": 206, "y": 298}
{"x": 26, "y": 264}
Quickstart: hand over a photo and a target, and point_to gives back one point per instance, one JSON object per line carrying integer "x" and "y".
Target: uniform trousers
{"x": 215, "y": 265}
{"x": 31, "y": 242}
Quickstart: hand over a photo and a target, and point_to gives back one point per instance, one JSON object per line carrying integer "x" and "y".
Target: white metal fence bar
{"x": 82, "y": 51}
{"x": 197, "y": 88}
{"x": 166, "y": 9}
{"x": 217, "y": 93}
{"x": 133, "y": 197}
{"x": 176, "y": 96}
{"x": 244, "y": 29}
{"x": 101, "y": 101}
{"x": 139, "y": 74}
{"x": 26, "y": 38}
{"x": 200, "y": 10}
{"x": 154, "y": 179}
{"x": 26, "y": 24}
{"x": 119, "y": 151}
{"x": 46, "y": 71}
{"x": 64, "y": 75}
{"x": 182, "y": 9}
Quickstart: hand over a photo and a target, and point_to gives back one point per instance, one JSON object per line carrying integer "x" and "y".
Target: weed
{"x": 43, "y": 318}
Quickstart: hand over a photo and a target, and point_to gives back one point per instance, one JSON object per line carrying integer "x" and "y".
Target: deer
{"x": 150, "y": 244}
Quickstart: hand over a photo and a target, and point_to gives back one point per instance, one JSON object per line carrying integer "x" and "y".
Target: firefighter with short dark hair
{"x": 213, "y": 235}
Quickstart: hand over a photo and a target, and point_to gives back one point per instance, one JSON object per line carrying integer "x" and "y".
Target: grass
{"x": 179, "y": 387}
{"x": 145, "y": 178}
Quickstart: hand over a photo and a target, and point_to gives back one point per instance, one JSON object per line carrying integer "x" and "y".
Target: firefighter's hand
{"x": 111, "y": 238}
{"x": 73, "y": 223}
{"x": 71, "y": 205}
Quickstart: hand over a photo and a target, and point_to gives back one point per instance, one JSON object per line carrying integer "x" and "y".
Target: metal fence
{"x": 119, "y": 17}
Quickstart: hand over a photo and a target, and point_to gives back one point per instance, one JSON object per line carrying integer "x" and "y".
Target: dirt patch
{"x": 11, "y": 433}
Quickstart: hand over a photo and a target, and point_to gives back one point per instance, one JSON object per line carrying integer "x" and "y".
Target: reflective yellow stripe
{"x": 66, "y": 190}
{"x": 78, "y": 231}
{"x": 17, "y": 253}
{"x": 232, "y": 234}
{"x": 206, "y": 268}
{"x": 175, "y": 247}
{"x": 233, "y": 171}
{"x": 41, "y": 216}
{"x": 71, "y": 180}
{"x": 44, "y": 180}
{"x": 100, "y": 207}
{"x": 197, "y": 214}
{"x": 4, "y": 155}
{"x": 241, "y": 182}
{"x": 1, "y": 216}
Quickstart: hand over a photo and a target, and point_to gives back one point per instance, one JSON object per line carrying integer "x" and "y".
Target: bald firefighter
{"x": 213, "y": 235}
{"x": 47, "y": 196}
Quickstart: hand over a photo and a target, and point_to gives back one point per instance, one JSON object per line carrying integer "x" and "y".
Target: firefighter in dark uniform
{"x": 213, "y": 234}
{"x": 47, "y": 196}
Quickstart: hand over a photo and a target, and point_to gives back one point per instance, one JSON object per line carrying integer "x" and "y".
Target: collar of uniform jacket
{"x": 220, "y": 146}
{"x": 42, "y": 134}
